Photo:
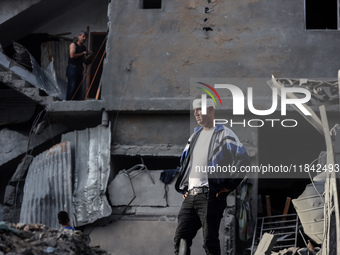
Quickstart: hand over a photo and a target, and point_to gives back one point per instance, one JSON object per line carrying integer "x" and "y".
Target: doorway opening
{"x": 97, "y": 46}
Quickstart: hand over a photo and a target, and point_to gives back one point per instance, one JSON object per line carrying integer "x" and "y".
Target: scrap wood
{"x": 285, "y": 210}
{"x": 268, "y": 206}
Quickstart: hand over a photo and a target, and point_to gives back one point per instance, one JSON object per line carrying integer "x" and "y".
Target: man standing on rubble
{"x": 74, "y": 71}
{"x": 205, "y": 191}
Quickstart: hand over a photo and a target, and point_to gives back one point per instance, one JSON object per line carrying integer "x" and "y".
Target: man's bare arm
{"x": 73, "y": 52}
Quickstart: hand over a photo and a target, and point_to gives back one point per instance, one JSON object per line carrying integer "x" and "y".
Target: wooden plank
{"x": 285, "y": 210}
{"x": 268, "y": 206}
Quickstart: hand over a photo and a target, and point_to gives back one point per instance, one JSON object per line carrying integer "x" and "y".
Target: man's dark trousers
{"x": 74, "y": 75}
{"x": 200, "y": 211}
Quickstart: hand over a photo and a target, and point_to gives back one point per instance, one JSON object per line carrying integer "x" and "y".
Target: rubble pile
{"x": 37, "y": 239}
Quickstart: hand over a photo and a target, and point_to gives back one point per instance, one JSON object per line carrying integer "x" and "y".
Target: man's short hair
{"x": 63, "y": 217}
{"x": 83, "y": 33}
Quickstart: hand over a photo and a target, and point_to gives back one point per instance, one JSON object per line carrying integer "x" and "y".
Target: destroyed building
{"x": 102, "y": 157}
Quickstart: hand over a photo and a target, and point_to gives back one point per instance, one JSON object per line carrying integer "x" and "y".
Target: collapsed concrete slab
{"x": 12, "y": 66}
{"x": 14, "y": 144}
{"x": 22, "y": 80}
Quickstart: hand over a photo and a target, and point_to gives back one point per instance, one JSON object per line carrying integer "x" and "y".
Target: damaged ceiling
{"x": 30, "y": 19}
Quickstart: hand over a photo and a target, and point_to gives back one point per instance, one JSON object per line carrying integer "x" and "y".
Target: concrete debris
{"x": 22, "y": 80}
{"x": 287, "y": 251}
{"x": 22, "y": 56}
{"x": 296, "y": 250}
{"x": 46, "y": 79}
{"x": 310, "y": 208}
{"x": 11, "y": 65}
{"x": 266, "y": 244}
{"x": 38, "y": 239}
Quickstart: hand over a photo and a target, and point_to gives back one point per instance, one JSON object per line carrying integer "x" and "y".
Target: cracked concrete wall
{"x": 153, "y": 53}
{"x": 140, "y": 129}
{"x": 149, "y": 62}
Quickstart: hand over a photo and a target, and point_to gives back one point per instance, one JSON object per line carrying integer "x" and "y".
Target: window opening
{"x": 97, "y": 39}
{"x": 321, "y": 14}
{"x": 151, "y": 4}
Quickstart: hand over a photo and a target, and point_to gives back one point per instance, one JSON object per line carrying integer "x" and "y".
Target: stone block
{"x": 266, "y": 244}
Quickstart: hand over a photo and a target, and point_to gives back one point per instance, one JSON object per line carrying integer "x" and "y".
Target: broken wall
{"x": 149, "y": 62}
